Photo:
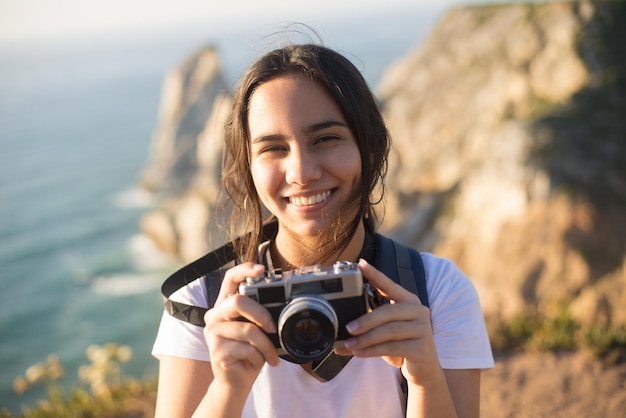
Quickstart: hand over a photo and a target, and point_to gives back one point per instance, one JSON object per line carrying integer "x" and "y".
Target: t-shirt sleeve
{"x": 182, "y": 339}
{"x": 459, "y": 330}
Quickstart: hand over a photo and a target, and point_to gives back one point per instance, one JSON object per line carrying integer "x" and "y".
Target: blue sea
{"x": 76, "y": 120}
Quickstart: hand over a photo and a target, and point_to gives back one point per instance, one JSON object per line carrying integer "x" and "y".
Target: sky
{"x": 50, "y": 19}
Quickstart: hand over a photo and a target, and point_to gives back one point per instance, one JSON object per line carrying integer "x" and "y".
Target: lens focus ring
{"x": 307, "y": 328}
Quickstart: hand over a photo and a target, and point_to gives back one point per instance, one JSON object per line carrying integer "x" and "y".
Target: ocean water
{"x": 75, "y": 125}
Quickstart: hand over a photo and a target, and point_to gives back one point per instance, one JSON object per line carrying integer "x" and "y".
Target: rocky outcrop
{"x": 184, "y": 169}
{"x": 502, "y": 105}
{"x": 188, "y": 114}
{"x": 508, "y": 132}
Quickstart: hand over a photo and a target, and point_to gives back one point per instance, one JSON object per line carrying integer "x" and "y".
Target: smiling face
{"x": 304, "y": 159}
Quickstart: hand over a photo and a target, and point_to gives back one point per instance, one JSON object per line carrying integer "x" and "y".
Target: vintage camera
{"x": 311, "y": 306}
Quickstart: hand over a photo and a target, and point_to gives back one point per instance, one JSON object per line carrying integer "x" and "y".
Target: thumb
{"x": 387, "y": 287}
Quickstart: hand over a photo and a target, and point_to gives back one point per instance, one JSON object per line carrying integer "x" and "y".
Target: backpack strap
{"x": 402, "y": 264}
{"x": 211, "y": 267}
{"x": 405, "y": 266}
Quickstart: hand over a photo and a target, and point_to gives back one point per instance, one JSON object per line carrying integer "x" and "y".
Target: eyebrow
{"x": 307, "y": 130}
{"x": 323, "y": 125}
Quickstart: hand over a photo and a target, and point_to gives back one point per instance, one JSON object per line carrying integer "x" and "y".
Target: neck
{"x": 289, "y": 250}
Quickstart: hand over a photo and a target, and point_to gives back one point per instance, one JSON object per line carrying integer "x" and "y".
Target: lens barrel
{"x": 307, "y": 328}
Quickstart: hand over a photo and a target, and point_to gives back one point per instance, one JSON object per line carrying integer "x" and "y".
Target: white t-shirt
{"x": 365, "y": 387}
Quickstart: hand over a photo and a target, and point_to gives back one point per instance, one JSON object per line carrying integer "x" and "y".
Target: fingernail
{"x": 275, "y": 362}
{"x": 350, "y": 342}
{"x": 272, "y": 328}
{"x": 352, "y": 327}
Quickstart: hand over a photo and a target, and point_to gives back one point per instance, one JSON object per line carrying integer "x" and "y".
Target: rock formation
{"x": 514, "y": 113}
{"x": 188, "y": 103}
{"x": 508, "y": 131}
{"x": 184, "y": 168}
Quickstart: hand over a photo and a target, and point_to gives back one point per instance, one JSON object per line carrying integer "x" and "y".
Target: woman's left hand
{"x": 400, "y": 332}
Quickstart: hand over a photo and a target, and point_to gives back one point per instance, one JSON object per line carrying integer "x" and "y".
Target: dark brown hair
{"x": 345, "y": 84}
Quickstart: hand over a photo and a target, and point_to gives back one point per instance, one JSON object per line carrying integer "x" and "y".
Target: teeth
{"x": 307, "y": 201}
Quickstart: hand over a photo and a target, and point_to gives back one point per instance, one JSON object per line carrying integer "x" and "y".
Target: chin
{"x": 310, "y": 229}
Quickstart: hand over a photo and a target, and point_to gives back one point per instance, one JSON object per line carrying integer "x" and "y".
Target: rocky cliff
{"x": 183, "y": 171}
{"x": 515, "y": 116}
{"x": 508, "y": 133}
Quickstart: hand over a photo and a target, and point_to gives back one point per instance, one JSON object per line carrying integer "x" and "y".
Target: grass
{"x": 532, "y": 332}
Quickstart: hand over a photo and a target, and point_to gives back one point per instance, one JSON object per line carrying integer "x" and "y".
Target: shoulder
{"x": 441, "y": 274}
{"x": 456, "y": 315}
{"x": 447, "y": 284}
{"x": 193, "y": 293}
{"x": 178, "y": 338}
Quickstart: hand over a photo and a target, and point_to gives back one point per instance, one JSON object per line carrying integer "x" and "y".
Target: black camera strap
{"x": 211, "y": 268}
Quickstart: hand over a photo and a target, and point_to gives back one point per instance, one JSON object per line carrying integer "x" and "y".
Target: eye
{"x": 273, "y": 148}
{"x": 328, "y": 138}
{"x": 270, "y": 149}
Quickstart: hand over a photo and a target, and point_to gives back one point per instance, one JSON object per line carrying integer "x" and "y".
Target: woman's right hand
{"x": 234, "y": 332}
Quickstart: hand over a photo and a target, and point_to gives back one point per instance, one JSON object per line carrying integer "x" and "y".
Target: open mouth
{"x": 309, "y": 200}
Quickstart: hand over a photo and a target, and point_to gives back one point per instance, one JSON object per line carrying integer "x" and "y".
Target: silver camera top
{"x": 342, "y": 279}
{"x": 304, "y": 272}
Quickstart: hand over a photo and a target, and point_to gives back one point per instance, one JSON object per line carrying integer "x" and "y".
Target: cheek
{"x": 266, "y": 180}
{"x": 349, "y": 165}
{"x": 358, "y": 167}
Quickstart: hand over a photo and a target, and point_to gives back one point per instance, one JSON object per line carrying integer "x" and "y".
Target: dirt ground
{"x": 553, "y": 385}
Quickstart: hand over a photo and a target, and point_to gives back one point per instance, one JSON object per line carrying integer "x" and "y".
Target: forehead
{"x": 290, "y": 99}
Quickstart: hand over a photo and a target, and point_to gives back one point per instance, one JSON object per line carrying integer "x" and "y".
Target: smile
{"x": 309, "y": 200}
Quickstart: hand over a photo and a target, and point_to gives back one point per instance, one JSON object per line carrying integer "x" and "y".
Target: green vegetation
{"x": 531, "y": 332}
{"x": 104, "y": 390}
{"x": 130, "y": 400}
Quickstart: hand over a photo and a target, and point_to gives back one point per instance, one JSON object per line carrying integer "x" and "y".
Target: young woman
{"x": 306, "y": 142}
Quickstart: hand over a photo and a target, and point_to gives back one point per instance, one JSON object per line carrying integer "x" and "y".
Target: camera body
{"x": 311, "y": 306}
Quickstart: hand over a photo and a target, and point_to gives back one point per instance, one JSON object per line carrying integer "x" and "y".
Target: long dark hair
{"x": 345, "y": 84}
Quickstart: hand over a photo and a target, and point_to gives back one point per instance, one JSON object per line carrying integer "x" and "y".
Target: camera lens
{"x": 307, "y": 328}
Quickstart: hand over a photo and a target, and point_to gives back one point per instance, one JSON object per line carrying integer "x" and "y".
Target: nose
{"x": 302, "y": 167}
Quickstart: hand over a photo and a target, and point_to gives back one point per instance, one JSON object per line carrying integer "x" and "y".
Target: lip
{"x": 309, "y": 200}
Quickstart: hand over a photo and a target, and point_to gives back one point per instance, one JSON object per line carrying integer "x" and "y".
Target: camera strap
{"x": 211, "y": 268}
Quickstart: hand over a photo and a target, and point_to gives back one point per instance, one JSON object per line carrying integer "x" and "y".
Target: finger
{"x": 340, "y": 351}
{"x": 244, "y": 334}
{"x": 238, "y": 308}
{"x": 388, "y": 348}
{"x": 385, "y": 285}
{"x": 239, "y": 352}
{"x": 391, "y": 331}
{"x": 386, "y": 314}
{"x": 236, "y": 275}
